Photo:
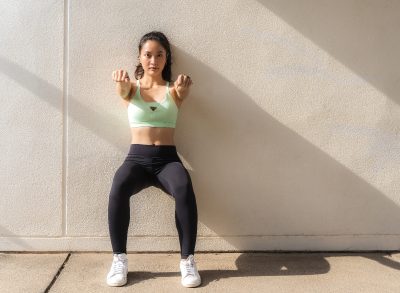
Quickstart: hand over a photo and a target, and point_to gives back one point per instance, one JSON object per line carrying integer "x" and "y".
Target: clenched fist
{"x": 182, "y": 84}
{"x": 121, "y": 77}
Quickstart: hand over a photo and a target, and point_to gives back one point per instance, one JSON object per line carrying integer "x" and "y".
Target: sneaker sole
{"x": 116, "y": 284}
{"x": 191, "y": 285}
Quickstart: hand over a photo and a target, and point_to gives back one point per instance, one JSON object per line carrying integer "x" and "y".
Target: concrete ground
{"x": 221, "y": 272}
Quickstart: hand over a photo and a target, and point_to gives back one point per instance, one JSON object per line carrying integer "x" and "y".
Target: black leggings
{"x": 159, "y": 166}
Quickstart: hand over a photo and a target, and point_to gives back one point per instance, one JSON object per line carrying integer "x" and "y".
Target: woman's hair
{"x": 162, "y": 39}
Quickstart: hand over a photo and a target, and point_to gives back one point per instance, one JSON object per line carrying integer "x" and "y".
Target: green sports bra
{"x": 153, "y": 114}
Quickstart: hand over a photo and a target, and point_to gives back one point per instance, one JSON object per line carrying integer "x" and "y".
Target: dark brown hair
{"x": 162, "y": 39}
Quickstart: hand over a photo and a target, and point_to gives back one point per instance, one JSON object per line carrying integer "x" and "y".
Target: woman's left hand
{"x": 182, "y": 84}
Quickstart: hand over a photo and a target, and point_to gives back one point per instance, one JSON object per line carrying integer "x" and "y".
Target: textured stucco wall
{"x": 291, "y": 132}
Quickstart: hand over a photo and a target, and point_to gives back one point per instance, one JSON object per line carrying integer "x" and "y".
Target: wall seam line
{"x": 65, "y": 119}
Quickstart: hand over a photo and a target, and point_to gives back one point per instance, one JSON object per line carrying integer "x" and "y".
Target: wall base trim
{"x": 208, "y": 243}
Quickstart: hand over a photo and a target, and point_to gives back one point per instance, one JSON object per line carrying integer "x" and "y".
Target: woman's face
{"x": 153, "y": 57}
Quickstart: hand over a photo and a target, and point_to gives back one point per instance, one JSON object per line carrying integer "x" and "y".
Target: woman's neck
{"x": 152, "y": 81}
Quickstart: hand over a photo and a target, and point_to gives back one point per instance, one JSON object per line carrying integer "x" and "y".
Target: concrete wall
{"x": 291, "y": 133}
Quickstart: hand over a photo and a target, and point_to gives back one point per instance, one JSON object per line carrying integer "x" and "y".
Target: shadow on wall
{"x": 362, "y": 35}
{"x": 98, "y": 122}
{"x": 254, "y": 176}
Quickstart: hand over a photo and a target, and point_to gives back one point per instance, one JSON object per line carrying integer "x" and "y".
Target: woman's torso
{"x": 152, "y": 135}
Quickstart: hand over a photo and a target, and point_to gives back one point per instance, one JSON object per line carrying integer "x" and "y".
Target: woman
{"x": 152, "y": 105}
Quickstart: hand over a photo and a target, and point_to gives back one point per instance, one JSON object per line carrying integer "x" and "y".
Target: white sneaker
{"x": 118, "y": 274}
{"x": 190, "y": 275}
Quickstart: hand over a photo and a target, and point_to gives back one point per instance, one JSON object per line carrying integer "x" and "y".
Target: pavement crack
{"x": 57, "y": 274}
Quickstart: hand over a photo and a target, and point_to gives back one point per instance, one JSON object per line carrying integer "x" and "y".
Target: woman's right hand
{"x": 121, "y": 77}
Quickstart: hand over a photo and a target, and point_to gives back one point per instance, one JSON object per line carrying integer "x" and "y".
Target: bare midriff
{"x": 152, "y": 135}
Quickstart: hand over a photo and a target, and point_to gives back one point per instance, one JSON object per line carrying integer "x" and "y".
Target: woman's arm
{"x": 123, "y": 91}
{"x": 182, "y": 86}
{"x": 123, "y": 84}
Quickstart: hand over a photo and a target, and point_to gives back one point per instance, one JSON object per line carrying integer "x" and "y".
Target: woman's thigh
{"x": 174, "y": 179}
{"x": 130, "y": 178}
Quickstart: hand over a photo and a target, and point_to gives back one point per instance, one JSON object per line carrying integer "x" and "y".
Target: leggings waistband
{"x": 151, "y": 150}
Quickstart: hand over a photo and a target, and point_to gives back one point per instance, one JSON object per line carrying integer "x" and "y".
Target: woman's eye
{"x": 148, "y": 55}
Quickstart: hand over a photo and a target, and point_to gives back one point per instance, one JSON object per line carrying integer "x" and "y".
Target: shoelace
{"x": 118, "y": 267}
{"x": 189, "y": 267}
